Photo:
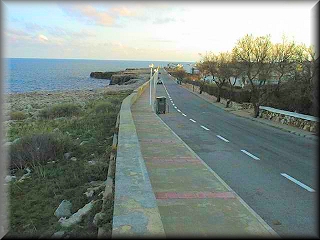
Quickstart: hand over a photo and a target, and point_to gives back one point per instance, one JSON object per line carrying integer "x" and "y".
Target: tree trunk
{"x": 218, "y": 97}
{"x": 256, "y": 110}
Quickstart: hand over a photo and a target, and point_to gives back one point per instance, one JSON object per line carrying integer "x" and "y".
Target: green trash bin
{"x": 161, "y": 105}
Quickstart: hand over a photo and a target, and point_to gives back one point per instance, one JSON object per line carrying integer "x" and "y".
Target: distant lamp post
{"x": 150, "y": 66}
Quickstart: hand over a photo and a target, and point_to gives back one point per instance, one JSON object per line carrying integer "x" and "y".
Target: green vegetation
{"x": 17, "y": 115}
{"x": 84, "y": 132}
{"x": 60, "y": 110}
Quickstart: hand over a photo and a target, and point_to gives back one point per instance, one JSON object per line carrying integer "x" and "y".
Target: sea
{"x": 32, "y": 74}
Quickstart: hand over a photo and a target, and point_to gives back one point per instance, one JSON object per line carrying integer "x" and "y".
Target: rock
{"x": 58, "y": 234}
{"x": 92, "y": 162}
{"x": 56, "y": 130}
{"x": 313, "y": 128}
{"x": 10, "y": 178}
{"x": 76, "y": 217}
{"x": 67, "y": 155}
{"x": 74, "y": 159}
{"x": 102, "y": 75}
{"x": 89, "y": 193}
{"x": 98, "y": 217}
{"x": 64, "y": 209}
{"x": 306, "y": 127}
{"x": 121, "y": 78}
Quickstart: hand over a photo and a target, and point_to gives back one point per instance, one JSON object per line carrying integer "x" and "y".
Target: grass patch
{"x": 60, "y": 110}
{"x": 33, "y": 202}
{"x": 17, "y": 115}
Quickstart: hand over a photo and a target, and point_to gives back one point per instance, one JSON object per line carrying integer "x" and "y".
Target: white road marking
{"x": 178, "y": 110}
{"x": 205, "y": 128}
{"x": 192, "y": 120}
{"x": 184, "y": 114}
{"x": 175, "y": 107}
{"x": 249, "y": 154}
{"x": 298, "y": 182}
{"x": 222, "y": 138}
{"x": 173, "y": 104}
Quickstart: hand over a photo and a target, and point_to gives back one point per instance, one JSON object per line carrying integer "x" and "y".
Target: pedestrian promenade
{"x": 192, "y": 200}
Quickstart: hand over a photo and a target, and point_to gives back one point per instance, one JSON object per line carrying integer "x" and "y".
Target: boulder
{"x": 64, "y": 209}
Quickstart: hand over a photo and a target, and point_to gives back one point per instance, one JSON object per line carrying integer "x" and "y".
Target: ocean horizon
{"x": 42, "y": 74}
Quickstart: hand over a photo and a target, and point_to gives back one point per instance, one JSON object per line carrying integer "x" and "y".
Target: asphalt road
{"x": 273, "y": 171}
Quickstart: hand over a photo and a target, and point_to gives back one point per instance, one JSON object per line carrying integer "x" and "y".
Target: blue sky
{"x": 170, "y": 31}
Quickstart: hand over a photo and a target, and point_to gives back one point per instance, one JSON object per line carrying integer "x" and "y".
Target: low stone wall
{"x": 305, "y": 122}
{"x": 136, "y": 213}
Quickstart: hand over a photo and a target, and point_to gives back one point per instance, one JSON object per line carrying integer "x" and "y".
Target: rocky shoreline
{"x": 37, "y": 99}
{"x": 30, "y": 103}
{"x": 121, "y": 77}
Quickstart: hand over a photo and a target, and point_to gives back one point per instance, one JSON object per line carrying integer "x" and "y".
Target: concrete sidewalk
{"x": 191, "y": 198}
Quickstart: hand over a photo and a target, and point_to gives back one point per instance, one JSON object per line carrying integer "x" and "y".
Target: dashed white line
{"x": 192, "y": 120}
{"x": 222, "y": 138}
{"x": 173, "y": 104}
{"x": 178, "y": 110}
{"x": 205, "y": 128}
{"x": 298, "y": 182}
{"x": 249, "y": 154}
{"x": 175, "y": 107}
{"x": 184, "y": 114}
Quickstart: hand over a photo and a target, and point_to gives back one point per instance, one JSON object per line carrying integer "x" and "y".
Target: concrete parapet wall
{"x": 305, "y": 122}
{"x": 136, "y": 212}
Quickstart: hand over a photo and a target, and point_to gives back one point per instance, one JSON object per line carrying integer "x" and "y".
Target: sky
{"x": 146, "y": 30}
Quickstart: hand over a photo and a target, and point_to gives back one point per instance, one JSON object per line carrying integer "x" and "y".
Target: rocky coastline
{"x": 120, "y": 77}
{"x": 30, "y": 103}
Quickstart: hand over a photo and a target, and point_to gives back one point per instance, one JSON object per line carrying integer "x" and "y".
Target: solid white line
{"x": 192, "y": 120}
{"x": 222, "y": 138}
{"x": 251, "y": 155}
{"x": 298, "y": 182}
{"x": 184, "y": 114}
{"x": 205, "y": 128}
{"x": 178, "y": 110}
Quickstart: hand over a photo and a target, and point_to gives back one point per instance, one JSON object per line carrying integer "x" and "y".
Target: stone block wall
{"x": 305, "y": 122}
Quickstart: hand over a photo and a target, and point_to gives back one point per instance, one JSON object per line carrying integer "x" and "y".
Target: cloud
{"x": 123, "y": 11}
{"x": 163, "y": 20}
{"x": 42, "y": 38}
{"x": 89, "y": 14}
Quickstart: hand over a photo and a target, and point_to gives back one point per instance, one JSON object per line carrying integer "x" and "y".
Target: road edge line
{"x": 269, "y": 229}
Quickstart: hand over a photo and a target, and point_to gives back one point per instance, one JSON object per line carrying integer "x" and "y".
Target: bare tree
{"x": 236, "y": 72}
{"x": 254, "y": 54}
{"x": 284, "y": 56}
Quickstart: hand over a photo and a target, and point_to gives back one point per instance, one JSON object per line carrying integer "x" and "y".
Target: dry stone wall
{"x": 305, "y": 122}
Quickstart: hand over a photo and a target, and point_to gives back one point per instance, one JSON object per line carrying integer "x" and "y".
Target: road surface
{"x": 273, "y": 171}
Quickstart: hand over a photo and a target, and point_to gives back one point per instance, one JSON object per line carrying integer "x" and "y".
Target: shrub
{"x": 37, "y": 149}
{"x": 17, "y": 115}
{"x": 60, "y": 110}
